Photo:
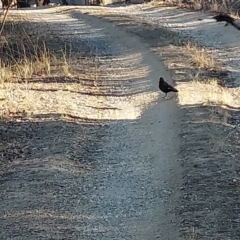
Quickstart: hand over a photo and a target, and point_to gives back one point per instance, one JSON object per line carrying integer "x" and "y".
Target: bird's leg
{"x": 165, "y": 95}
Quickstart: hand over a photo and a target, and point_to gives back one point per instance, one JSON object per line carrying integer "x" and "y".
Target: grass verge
{"x": 40, "y": 76}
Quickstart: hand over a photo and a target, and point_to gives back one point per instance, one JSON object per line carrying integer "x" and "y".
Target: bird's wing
{"x": 171, "y": 88}
{"x": 167, "y": 85}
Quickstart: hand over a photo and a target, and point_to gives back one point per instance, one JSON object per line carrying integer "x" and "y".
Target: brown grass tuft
{"x": 22, "y": 63}
{"x": 207, "y": 92}
{"x": 31, "y": 76}
{"x": 200, "y": 57}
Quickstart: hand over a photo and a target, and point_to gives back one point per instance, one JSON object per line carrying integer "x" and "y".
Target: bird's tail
{"x": 174, "y": 89}
{"x": 235, "y": 25}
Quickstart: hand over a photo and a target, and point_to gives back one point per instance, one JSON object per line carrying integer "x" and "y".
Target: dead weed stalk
{"x": 26, "y": 61}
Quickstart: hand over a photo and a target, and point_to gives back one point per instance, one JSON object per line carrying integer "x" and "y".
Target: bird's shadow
{"x": 172, "y": 97}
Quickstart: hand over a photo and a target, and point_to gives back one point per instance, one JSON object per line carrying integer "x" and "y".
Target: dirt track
{"x": 106, "y": 175}
{"x": 115, "y": 179}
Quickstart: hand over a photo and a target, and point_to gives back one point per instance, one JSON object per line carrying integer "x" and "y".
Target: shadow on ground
{"x": 210, "y": 190}
{"x": 48, "y": 179}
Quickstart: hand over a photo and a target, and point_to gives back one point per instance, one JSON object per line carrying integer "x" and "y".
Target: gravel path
{"x": 130, "y": 181}
{"x": 223, "y": 41}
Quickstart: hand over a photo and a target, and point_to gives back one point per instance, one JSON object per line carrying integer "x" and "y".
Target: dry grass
{"x": 200, "y": 57}
{"x": 15, "y": 69}
{"x": 21, "y": 66}
{"x": 31, "y": 60}
{"x": 36, "y": 79}
{"x": 207, "y": 92}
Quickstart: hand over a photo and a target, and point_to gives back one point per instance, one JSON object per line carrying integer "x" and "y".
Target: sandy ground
{"x": 114, "y": 176}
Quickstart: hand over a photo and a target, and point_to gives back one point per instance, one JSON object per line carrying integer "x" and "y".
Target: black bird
{"x": 165, "y": 87}
{"x": 226, "y": 18}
